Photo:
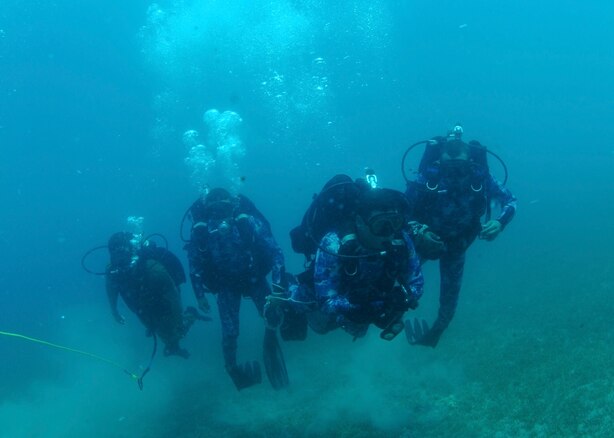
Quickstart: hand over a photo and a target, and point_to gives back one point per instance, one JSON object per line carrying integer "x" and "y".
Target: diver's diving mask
{"x": 126, "y": 256}
{"x": 456, "y": 170}
{"x": 223, "y": 228}
{"x": 221, "y": 215}
{"x": 385, "y": 224}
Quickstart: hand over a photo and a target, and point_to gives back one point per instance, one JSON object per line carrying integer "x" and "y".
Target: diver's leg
{"x": 229, "y": 304}
{"x": 247, "y": 374}
{"x": 451, "y": 267}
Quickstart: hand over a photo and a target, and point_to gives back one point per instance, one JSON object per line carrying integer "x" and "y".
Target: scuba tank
{"x": 433, "y": 147}
{"x": 433, "y": 170}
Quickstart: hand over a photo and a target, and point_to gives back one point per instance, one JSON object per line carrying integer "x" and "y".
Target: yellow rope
{"x": 85, "y": 353}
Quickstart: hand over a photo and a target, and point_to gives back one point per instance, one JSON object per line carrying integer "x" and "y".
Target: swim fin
{"x": 393, "y": 328}
{"x": 246, "y": 375}
{"x": 416, "y": 332}
{"x": 274, "y": 362}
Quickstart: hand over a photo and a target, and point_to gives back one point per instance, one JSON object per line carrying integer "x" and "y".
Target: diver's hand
{"x": 432, "y": 240}
{"x": 490, "y": 230}
{"x": 428, "y": 244}
{"x": 119, "y": 318}
{"x": 274, "y": 305}
{"x": 276, "y": 299}
{"x": 399, "y": 299}
{"x": 203, "y": 304}
{"x": 281, "y": 281}
{"x": 273, "y": 313}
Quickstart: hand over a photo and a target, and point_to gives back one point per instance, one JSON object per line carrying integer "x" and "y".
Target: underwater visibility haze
{"x": 119, "y": 109}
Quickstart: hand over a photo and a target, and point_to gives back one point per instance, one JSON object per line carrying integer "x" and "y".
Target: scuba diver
{"x": 231, "y": 251}
{"x": 148, "y": 278}
{"x": 452, "y": 191}
{"x": 362, "y": 267}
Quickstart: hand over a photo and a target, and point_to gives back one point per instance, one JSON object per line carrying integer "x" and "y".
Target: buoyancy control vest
{"x": 451, "y": 181}
{"x": 253, "y": 258}
{"x": 362, "y": 287}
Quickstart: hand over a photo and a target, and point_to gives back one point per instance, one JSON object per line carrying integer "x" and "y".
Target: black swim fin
{"x": 274, "y": 362}
{"x": 246, "y": 375}
{"x": 393, "y": 328}
{"x": 416, "y": 332}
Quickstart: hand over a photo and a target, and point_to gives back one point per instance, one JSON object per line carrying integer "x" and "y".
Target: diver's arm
{"x": 196, "y": 260}
{"x": 196, "y": 278}
{"x": 327, "y": 278}
{"x": 112, "y": 288}
{"x": 505, "y": 197}
{"x": 266, "y": 239}
{"x": 412, "y": 279}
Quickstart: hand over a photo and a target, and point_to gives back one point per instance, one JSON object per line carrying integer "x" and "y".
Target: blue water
{"x": 94, "y": 101}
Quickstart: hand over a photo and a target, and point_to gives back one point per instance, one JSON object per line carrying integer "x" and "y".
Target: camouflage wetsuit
{"x": 454, "y": 214}
{"x": 352, "y": 293}
{"x": 233, "y": 264}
